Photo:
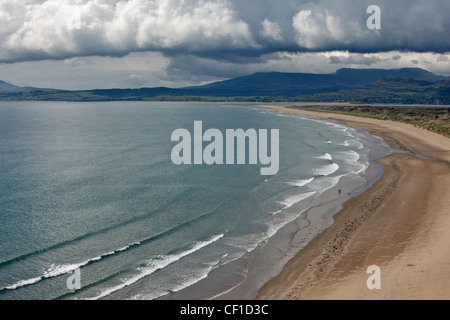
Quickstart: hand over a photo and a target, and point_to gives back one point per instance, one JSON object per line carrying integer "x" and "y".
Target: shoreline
{"x": 398, "y": 224}
{"x": 242, "y": 278}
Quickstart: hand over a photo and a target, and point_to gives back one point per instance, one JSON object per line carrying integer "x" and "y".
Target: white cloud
{"x": 184, "y": 42}
{"x": 271, "y": 30}
{"x": 67, "y": 28}
{"x": 161, "y": 24}
{"x": 319, "y": 28}
{"x": 12, "y": 16}
{"x": 58, "y": 29}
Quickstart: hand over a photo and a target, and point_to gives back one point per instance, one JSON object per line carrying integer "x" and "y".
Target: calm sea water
{"x": 91, "y": 187}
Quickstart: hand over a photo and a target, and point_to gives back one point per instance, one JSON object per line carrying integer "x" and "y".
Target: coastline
{"x": 398, "y": 224}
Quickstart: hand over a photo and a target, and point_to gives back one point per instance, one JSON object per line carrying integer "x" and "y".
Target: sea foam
{"x": 291, "y": 200}
{"x": 156, "y": 264}
{"x": 300, "y": 183}
{"x": 327, "y": 170}
{"x": 58, "y": 270}
{"x": 326, "y": 156}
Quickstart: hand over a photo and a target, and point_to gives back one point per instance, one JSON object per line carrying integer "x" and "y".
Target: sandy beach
{"x": 399, "y": 224}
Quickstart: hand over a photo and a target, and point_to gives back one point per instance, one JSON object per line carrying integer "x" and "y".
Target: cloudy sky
{"x": 82, "y": 44}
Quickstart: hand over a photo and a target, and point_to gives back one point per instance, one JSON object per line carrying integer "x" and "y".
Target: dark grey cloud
{"x": 190, "y": 41}
{"x": 59, "y": 29}
{"x": 354, "y": 59}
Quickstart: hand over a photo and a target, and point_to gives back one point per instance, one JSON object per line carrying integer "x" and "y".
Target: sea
{"x": 92, "y": 206}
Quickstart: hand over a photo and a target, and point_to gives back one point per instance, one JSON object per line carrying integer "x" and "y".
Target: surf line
{"x": 235, "y": 147}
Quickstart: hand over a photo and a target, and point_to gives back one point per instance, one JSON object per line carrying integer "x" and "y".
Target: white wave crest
{"x": 58, "y": 270}
{"x": 326, "y": 156}
{"x": 155, "y": 264}
{"x": 300, "y": 183}
{"x": 352, "y": 157}
{"x": 290, "y": 201}
{"x": 23, "y": 283}
{"x": 326, "y": 183}
{"x": 355, "y": 143}
{"x": 327, "y": 170}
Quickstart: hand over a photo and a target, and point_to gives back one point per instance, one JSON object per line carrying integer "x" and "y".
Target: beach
{"x": 79, "y": 194}
{"x": 399, "y": 224}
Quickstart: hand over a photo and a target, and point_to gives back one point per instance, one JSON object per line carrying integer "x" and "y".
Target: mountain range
{"x": 408, "y": 85}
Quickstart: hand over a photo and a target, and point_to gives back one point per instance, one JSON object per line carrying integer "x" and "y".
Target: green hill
{"x": 410, "y": 86}
{"x": 7, "y": 87}
{"x": 396, "y": 90}
{"x": 294, "y": 84}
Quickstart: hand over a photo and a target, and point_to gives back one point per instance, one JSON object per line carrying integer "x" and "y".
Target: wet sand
{"x": 401, "y": 224}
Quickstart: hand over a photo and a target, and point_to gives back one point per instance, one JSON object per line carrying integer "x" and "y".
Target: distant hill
{"x": 295, "y": 84}
{"x": 390, "y": 90}
{"x": 409, "y": 85}
{"x": 8, "y": 87}
{"x": 5, "y": 86}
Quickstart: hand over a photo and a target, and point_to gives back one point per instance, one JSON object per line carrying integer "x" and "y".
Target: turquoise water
{"x": 91, "y": 186}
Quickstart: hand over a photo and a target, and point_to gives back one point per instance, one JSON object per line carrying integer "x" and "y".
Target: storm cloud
{"x": 222, "y": 38}
{"x": 59, "y": 29}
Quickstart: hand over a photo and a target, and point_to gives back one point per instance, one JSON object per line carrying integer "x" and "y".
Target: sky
{"x": 86, "y": 44}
